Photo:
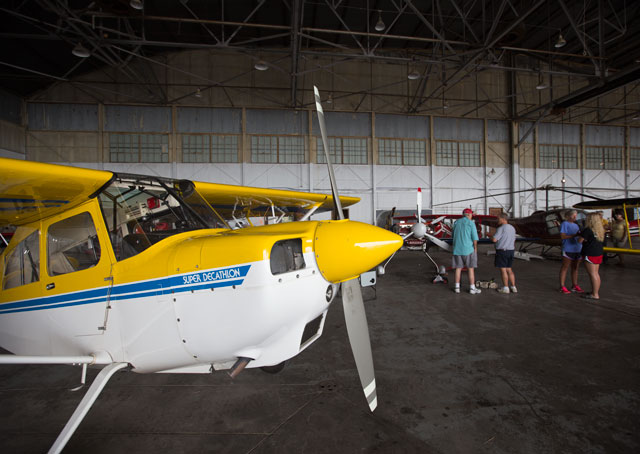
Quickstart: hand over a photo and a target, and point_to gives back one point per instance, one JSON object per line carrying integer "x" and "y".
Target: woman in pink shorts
{"x": 592, "y": 238}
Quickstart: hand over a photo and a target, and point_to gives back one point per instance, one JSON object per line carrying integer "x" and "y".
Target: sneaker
{"x": 456, "y": 290}
{"x": 577, "y": 289}
{"x": 503, "y": 290}
{"x": 513, "y": 289}
{"x": 564, "y": 290}
{"x": 475, "y": 291}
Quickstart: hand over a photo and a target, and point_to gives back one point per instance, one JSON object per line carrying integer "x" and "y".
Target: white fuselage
{"x": 191, "y": 321}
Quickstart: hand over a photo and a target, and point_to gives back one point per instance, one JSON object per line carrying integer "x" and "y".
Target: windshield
{"x": 140, "y": 211}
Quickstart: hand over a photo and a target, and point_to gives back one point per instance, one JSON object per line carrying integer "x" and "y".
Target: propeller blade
{"x": 437, "y": 241}
{"x": 419, "y": 203}
{"x": 334, "y": 187}
{"x": 354, "y": 314}
{"x": 358, "y": 330}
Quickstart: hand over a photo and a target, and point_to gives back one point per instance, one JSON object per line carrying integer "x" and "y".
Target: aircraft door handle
{"x": 51, "y": 286}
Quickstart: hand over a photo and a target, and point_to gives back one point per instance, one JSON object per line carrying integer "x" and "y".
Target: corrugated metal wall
{"x": 277, "y": 122}
{"x": 10, "y": 108}
{"x": 523, "y": 128}
{"x": 497, "y": 131}
{"x": 634, "y": 137}
{"x": 345, "y": 124}
{"x": 62, "y": 117}
{"x": 604, "y": 135}
{"x": 204, "y": 119}
{"x": 458, "y": 129}
{"x": 137, "y": 119}
{"x": 399, "y": 126}
{"x": 554, "y": 133}
{"x": 71, "y": 133}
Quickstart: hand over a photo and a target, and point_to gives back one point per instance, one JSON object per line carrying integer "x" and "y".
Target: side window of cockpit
{"x": 72, "y": 245}
{"x": 287, "y": 256}
{"x": 22, "y": 265}
{"x": 553, "y": 224}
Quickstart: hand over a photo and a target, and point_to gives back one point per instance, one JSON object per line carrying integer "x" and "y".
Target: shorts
{"x": 572, "y": 255}
{"x": 504, "y": 258}
{"x": 593, "y": 259}
{"x": 620, "y": 243}
{"x": 461, "y": 261}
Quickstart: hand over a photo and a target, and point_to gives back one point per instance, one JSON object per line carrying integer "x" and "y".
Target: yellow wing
{"x": 228, "y": 198}
{"x": 33, "y": 190}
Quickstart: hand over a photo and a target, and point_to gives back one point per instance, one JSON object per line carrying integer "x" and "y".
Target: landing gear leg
{"x": 85, "y": 404}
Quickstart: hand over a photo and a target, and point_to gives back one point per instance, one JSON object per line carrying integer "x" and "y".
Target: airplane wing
{"x": 229, "y": 199}
{"x": 32, "y": 190}
{"x": 608, "y": 204}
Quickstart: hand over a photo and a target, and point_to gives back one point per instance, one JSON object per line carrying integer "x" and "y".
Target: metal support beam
{"x": 296, "y": 22}
{"x": 585, "y": 46}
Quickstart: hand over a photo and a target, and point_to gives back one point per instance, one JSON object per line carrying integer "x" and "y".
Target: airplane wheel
{"x": 274, "y": 369}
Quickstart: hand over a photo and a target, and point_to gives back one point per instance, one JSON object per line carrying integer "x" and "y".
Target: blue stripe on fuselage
{"x": 173, "y": 284}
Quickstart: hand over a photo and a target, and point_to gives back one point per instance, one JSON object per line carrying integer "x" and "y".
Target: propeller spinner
{"x": 419, "y": 229}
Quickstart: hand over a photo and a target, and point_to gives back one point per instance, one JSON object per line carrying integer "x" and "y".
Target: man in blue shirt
{"x": 465, "y": 249}
{"x": 571, "y": 249}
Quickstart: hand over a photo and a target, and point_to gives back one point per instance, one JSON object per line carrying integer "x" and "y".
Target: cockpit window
{"x": 140, "y": 211}
{"x": 553, "y": 223}
{"x": 22, "y": 265}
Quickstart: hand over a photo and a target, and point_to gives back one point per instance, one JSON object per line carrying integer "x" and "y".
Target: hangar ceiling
{"x": 594, "y": 43}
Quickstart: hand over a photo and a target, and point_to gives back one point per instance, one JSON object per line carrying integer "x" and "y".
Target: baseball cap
{"x": 467, "y": 211}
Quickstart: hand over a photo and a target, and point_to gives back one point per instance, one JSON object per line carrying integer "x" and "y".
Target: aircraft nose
{"x": 345, "y": 249}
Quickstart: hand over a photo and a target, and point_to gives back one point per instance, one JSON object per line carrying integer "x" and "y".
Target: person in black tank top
{"x": 592, "y": 238}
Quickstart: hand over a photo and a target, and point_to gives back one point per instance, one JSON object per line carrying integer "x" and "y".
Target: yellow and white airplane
{"x": 161, "y": 275}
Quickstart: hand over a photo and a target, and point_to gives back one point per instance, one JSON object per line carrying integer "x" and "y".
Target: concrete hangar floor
{"x": 533, "y": 372}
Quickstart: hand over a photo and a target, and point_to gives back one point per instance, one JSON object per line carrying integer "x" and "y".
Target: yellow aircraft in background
{"x": 624, "y": 205}
{"x": 161, "y": 275}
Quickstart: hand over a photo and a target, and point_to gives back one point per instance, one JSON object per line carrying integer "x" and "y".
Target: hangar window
{"x": 138, "y": 147}
{"x": 72, "y": 245}
{"x": 558, "y": 156}
{"x": 344, "y": 150}
{"x": 634, "y": 158}
{"x": 22, "y": 265}
{"x": 209, "y": 148}
{"x": 278, "y": 149}
{"x": 457, "y": 154}
{"x": 604, "y": 158}
{"x": 402, "y": 152}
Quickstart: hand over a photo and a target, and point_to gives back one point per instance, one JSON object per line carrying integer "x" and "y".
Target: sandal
{"x": 589, "y": 296}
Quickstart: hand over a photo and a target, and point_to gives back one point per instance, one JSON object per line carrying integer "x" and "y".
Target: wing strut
{"x": 85, "y": 404}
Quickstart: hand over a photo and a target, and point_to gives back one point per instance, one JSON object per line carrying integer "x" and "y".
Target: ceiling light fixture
{"x": 261, "y": 65}
{"x": 561, "y": 42}
{"x": 413, "y": 75}
{"x": 445, "y": 106}
{"x": 198, "y": 93}
{"x": 563, "y": 180}
{"x": 379, "y": 25}
{"x": 80, "y": 51}
{"x": 136, "y": 4}
{"x": 330, "y": 99}
{"x": 541, "y": 85}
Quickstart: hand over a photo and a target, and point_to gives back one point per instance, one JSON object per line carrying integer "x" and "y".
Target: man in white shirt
{"x": 505, "y": 240}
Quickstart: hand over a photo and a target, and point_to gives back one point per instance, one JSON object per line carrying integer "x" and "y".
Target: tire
{"x": 274, "y": 369}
